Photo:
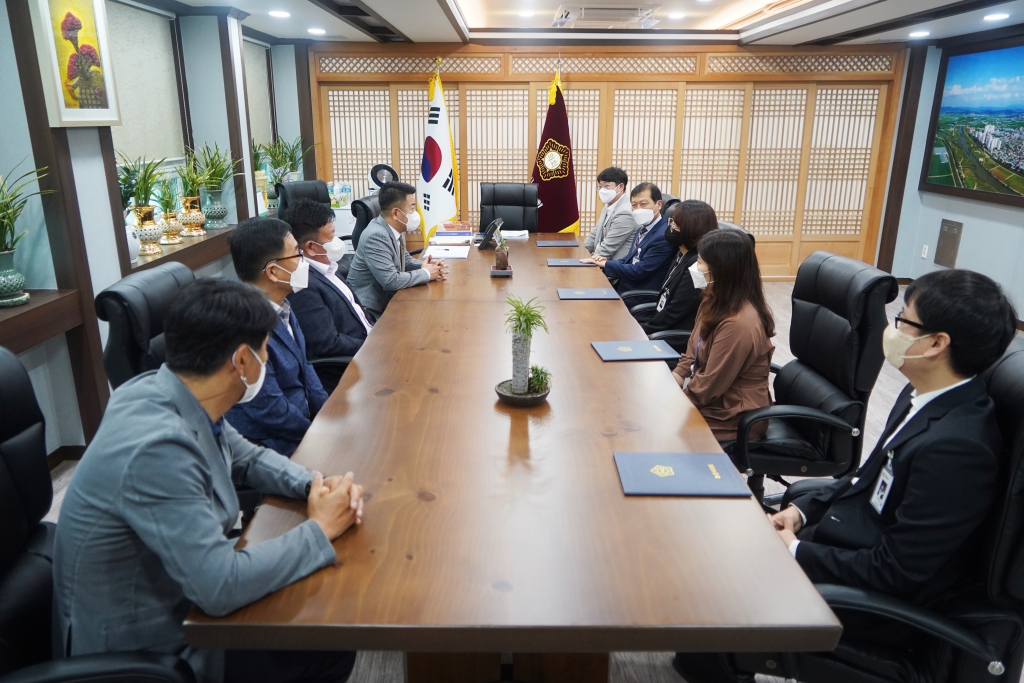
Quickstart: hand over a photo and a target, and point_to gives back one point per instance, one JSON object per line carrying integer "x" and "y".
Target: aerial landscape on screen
{"x": 979, "y": 135}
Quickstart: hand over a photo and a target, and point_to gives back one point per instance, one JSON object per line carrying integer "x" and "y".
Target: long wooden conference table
{"x": 491, "y": 529}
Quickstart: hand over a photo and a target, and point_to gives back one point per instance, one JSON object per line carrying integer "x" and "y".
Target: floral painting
{"x": 76, "y": 40}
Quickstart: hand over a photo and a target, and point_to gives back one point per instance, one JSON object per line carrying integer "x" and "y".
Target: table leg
{"x": 560, "y": 667}
{"x": 443, "y": 667}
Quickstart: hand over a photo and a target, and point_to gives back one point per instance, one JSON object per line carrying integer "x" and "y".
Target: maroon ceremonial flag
{"x": 553, "y": 171}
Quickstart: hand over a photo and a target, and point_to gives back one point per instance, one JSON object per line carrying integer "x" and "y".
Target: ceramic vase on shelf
{"x": 149, "y": 232}
{"x": 215, "y": 211}
{"x": 171, "y": 229}
{"x": 191, "y": 218}
{"x": 12, "y": 283}
{"x": 132, "y": 236}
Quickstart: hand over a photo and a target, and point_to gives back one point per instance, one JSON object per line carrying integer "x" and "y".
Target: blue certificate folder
{"x": 557, "y": 243}
{"x": 634, "y": 350}
{"x": 569, "y": 293}
{"x": 569, "y": 262}
{"x": 679, "y": 474}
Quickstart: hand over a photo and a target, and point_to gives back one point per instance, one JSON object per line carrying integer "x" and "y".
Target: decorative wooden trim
{"x": 64, "y": 454}
{"x": 272, "y": 97}
{"x": 306, "y": 86}
{"x": 49, "y": 312}
{"x": 182, "y": 82}
{"x": 113, "y": 190}
{"x": 233, "y": 114}
{"x": 871, "y": 63}
{"x": 450, "y": 8}
{"x": 195, "y": 253}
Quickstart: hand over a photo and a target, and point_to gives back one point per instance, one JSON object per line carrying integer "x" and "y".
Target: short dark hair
{"x": 613, "y": 174}
{"x": 735, "y": 280}
{"x": 393, "y": 194}
{"x": 655, "y": 192}
{"x": 695, "y": 219}
{"x": 972, "y": 309}
{"x": 305, "y": 217}
{"x": 209, "y": 319}
{"x": 254, "y": 243}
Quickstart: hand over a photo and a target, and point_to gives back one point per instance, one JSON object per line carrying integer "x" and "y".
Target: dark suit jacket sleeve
{"x": 272, "y": 409}
{"x": 948, "y": 493}
{"x": 815, "y": 505}
{"x": 681, "y": 307}
{"x": 323, "y": 339}
{"x": 656, "y": 253}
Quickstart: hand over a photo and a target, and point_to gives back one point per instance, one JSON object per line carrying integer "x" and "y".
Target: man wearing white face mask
{"x": 266, "y": 256}
{"x": 382, "y": 265}
{"x": 615, "y": 227}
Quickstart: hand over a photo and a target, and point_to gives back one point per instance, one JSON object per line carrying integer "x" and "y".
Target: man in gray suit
{"x": 143, "y": 530}
{"x": 382, "y": 265}
{"x": 613, "y": 234}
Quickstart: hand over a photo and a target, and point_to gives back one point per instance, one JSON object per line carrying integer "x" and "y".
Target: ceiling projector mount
{"x": 607, "y": 16}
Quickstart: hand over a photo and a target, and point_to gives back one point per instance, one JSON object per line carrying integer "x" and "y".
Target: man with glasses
{"x": 613, "y": 233}
{"x": 267, "y": 257}
{"x": 908, "y": 522}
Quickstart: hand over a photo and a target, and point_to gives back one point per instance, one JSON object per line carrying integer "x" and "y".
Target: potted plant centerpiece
{"x": 501, "y": 268}
{"x": 217, "y": 168}
{"x": 147, "y": 177}
{"x": 528, "y": 386}
{"x": 191, "y": 217}
{"x": 278, "y": 160}
{"x": 295, "y": 154}
{"x": 127, "y": 175}
{"x": 167, "y": 200}
{"x": 13, "y": 199}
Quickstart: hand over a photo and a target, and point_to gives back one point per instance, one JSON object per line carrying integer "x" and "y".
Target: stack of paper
{"x": 450, "y": 239}
{"x": 439, "y": 252}
{"x": 515, "y": 234}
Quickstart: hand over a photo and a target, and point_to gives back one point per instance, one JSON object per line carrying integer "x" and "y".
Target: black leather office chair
{"x": 289, "y": 193}
{"x": 365, "y": 210}
{"x": 668, "y": 205}
{"x": 972, "y": 635}
{"x": 135, "y": 307}
{"x": 816, "y": 427}
{"x": 515, "y": 203}
{"x": 26, "y": 558}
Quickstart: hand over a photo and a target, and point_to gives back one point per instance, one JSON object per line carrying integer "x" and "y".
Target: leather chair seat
{"x": 783, "y": 438}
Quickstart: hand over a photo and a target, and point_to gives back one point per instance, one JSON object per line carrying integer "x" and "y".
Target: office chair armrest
{"x": 670, "y": 335}
{"x": 640, "y": 308}
{"x": 775, "y": 368}
{"x": 346, "y": 237}
{"x": 331, "y": 360}
{"x": 749, "y": 418}
{"x": 125, "y": 667}
{"x": 414, "y": 252}
{"x": 935, "y": 625}
{"x": 633, "y": 294}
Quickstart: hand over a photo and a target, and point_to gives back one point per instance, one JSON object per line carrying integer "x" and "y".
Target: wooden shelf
{"x": 48, "y": 313}
{"x": 195, "y": 253}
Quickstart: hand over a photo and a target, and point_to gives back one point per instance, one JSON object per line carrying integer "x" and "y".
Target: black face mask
{"x": 674, "y": 237}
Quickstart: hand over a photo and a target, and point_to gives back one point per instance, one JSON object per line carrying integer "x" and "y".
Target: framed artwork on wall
{"x": 74, "y": 62}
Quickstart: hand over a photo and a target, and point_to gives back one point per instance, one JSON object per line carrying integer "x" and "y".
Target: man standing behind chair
{"x": 613, "y": 233}
{"x": 267, "y": 257}
{"x": 382, "y": 264}
{"x": 646, "y": 263}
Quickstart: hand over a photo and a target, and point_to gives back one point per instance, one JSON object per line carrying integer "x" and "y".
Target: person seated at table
{"x": 613, "y": 233}
{"x": 382, "y": 265}
{"x": 267, "y": 257}
{"x": 909, "y": 522}
{"x": 646, "y": 262}
{"x": 332, "y": 319}
{"x": 680, "y": 296}
{"x": 144, "y": 530}
{"x": 725, "y": 368}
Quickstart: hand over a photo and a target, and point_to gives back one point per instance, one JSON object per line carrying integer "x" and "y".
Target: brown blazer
{"x": 730, "y": 374}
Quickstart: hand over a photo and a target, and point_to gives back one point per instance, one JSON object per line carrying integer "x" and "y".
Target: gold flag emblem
{"x": 624, "y": 349}
{"x": 579, "y": 291}
{"x": 663, "y": 471}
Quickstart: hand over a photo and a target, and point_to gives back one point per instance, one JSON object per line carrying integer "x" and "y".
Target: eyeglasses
{"x": 283, "y": 258}
{"x": 903, "y": 321}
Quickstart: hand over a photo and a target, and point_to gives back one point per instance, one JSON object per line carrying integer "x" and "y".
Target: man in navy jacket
{"x": 267, "y": 257}
{"x": 646, "y": 263}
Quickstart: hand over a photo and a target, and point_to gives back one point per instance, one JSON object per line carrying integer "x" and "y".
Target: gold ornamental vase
{"x": 191, "y": 218}
{"x": 171, "y": 229}
{"x": 147, "y": 229}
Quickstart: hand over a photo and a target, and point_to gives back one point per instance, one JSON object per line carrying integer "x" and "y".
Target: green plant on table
{"x": 295, "y": 153}
{"x": 278, "y": 156}
{"x": 167, "y": 195}
{"x": 259, "y": 155}
{"x": 525, "y": 316}
{"x": 13, "y": 199}
{"x": 540, "y": 380}
{"x": 127, "y": 176}
{"x": 191, "y": 175}
{"x": 149, "y": 175}
{"x": 217, "y": 167}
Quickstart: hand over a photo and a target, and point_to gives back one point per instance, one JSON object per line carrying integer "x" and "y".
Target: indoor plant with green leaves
{"x": 167, "y": 200}
{"x": 191, "y": 217}
{"x": 13, "y": 198}
{"x": 278, "y": 160}
{"x": 524, "y": 318}
{"x": 127, "y": 175}
{"x": 217, "y": 168}
{"x": 148, "y": 177}
{"x": 295, "y": 154}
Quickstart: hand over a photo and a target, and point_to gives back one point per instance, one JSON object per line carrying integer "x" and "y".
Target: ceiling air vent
{"x": 578, "y": 16}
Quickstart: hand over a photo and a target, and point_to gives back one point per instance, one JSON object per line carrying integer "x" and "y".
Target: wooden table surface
{"x": 495, "y": 529}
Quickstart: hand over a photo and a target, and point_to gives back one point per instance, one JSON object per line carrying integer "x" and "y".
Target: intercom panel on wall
{"x": 949, "y": 243}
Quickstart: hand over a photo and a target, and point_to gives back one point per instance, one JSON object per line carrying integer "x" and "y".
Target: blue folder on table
{"x": 679, "y": 474}
{"x": 634, "y": 350}
{"x": 569, "y": 262}
{"x": 557, "y": 243}
{"x": 570, "y": 293}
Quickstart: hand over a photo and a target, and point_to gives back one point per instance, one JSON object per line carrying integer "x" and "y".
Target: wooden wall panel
{"x": 497, "y": 148}
{"x": 643, "y": 134}
{"x": 359, "y": 130}
{"x": 710, "y": 155}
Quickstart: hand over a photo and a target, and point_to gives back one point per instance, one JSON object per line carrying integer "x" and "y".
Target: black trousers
{"x": 273, "y": 666}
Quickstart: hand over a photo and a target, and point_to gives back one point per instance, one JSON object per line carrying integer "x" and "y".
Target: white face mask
{"x": 298, "y": 278}
{"x": 699, "y": 281}
{"x": 412, "y": 220}
{"x": 895, "y": 344}
{"x": 607, "y": 195}
{"x": 252, "y": 389}
{"x": 335, "y": 249}
{"x": 643, "y": 216}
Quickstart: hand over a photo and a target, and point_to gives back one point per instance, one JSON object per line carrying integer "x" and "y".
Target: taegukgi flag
{"x": 438, "y": 193}
{"x": 553, "y": 169}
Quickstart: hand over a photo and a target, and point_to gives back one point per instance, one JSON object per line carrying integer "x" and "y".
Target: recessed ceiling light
{"x": 676, "y": 15}
{"x": 920, "y": 34}
{"x": 316, "y": 31}
{"x": 526, "y": 13}
{"x": 279, "y": 14}
{"x": 996, "y": 17}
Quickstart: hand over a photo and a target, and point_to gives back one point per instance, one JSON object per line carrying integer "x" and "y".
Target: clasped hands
{"x": 437, "y": 269}
{"x": 335, "y": 503}
{"x": 787, "y": 522}
{"x": 598, "y": 261}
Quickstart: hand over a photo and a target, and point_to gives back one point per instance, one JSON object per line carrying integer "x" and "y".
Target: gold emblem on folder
{"x": 714, "y": 471}
{"x": 656, "y": 348}
{"x": 579, "y": 291}
{"x": 663, "y": 471}
{"x": 624, "y": 349}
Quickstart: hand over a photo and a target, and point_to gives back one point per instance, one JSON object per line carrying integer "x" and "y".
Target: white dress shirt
{"x": 641, "y": 233}
{"x": 331, "y": 273}
{"x": 284, "y": 312}
{"x": 917, "y": 402}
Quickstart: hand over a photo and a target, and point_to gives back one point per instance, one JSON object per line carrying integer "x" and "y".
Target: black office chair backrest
{"x": 515, "y": 203}
{"x": 289, "y": 193}
{"x": 668, "y": 205}
{"x": 725, "y": 225}
{"x": 135, "y": 307}
{"x": 365, "y": 210}
{"x": 25, "y": 489}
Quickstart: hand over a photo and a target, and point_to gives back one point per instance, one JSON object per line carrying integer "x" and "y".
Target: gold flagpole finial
{"x": 437, "y": 65}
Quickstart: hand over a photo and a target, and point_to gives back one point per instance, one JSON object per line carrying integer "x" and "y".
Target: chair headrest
{"x": 509, "y": 194}
{"x": 668, "y": 205}
{"x": 370, "y": 204}
{"x": 18, "y": 407}
{"x": 724, "y": 225}
{"x": 1005, "y": 382}
{"x": 144, "y": 298}
{"x": 840, "y": 284}
{"x": 289, "y": 193}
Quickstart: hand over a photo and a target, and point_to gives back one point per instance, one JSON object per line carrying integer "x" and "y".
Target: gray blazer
{"x": 382, "y": 266}
{"x": 613, "y": 234}
{"x": 142, "y": 535}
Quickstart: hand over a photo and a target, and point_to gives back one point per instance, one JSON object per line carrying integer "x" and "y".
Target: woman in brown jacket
{"x": 725, "y": 368}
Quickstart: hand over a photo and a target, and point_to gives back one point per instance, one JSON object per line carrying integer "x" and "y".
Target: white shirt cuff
{"x": 792, "y": 547}
{"x": 803, "y": 517}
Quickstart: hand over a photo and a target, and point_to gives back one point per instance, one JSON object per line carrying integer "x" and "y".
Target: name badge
{"x": 883, "y": 486}
{"x": 662, "y": 301}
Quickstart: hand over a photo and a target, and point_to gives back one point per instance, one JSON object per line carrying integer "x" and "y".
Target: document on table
{"x": 679, "y": 474}
{"x": 569, "y": 263}
{"x": 611, "y": 351}
{"x": 440, "y": 252}
{"x": 515, "y": 234}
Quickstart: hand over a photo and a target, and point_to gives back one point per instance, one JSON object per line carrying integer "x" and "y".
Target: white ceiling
{"x": 304, "y": 16}
{"x": 958, "y": 25}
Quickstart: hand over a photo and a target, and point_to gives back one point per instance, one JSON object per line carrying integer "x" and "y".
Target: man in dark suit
{"x": 267, "y": 257}
{"x": 906, "y": 523}
{"x": 646, "y": 263}
{"x": 331, "y": 315}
